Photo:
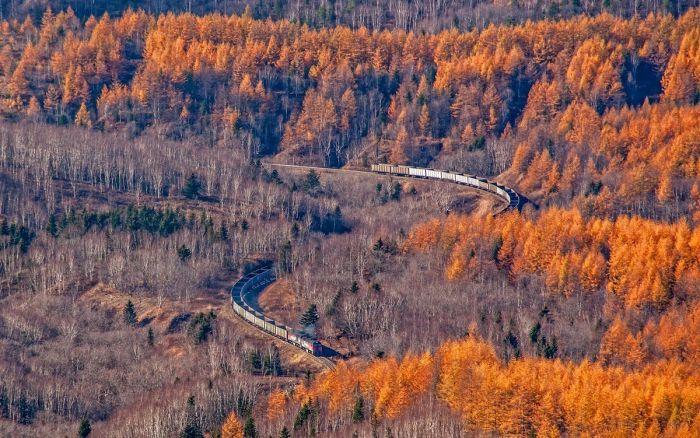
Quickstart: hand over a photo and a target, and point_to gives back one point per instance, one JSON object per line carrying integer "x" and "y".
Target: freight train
{"x": 257, "y": 280}
{"x": 253, "y": 283}
{"x": 508, "y": 195}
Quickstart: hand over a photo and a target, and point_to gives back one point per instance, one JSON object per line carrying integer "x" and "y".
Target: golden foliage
{"x": 232, "y": 427}
{"x": 640, "y": 261}
{"x": 532, "y": 396}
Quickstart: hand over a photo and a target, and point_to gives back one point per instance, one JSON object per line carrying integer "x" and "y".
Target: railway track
{"x": 245, "y": 291}
{"x": 323, "y": 361}
{"x": 511, "y": 198}
{"x": 244, "y": 302}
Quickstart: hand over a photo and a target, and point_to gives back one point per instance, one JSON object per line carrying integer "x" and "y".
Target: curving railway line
{"x": 511, "y": 198}
{"x": 244, "y": 301}
{"x": 245, "y": 291}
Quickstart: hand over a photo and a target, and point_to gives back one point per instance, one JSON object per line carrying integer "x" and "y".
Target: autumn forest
{"x": 137, "y": 184}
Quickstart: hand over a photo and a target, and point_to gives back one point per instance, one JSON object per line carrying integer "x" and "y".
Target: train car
{"x": 447, "y": 176}
{"x": 316, "y": 348}
{"x": 432, "y": 173}
{"x": 307, "y": 344}
{"x": 257, "y": 320}
{"x": 250, "y": 315}
{"x": 417, "y": 172}
{"x": 385, "y": 168}
{"x": 281, "y": 331}
{"x": 269, "y": 325}
{"x": 403, "y": 170}
{"x": 505, "y": 193}
{"x": 293, "y": 337}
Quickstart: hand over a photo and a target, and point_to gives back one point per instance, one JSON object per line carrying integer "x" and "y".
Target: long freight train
{"x": 506, "y": 193}
{"x": 253, "y": 283}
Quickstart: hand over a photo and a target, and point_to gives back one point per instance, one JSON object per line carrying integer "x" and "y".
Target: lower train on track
{"x": 257, "y": 280}
{"x": 508, "y": 195}
{"x": 254, "y": 282}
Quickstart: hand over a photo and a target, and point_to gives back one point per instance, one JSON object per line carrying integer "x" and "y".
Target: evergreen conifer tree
{"x": 84, "y": 429}
{"x": 192, "y": 187}
{"x": 310, "y": 317}
{"x": 249, "y": 430}
{"x": 358, "y": 411}
{"x": 151, "y": 337}
{"x": 130, "y": 314}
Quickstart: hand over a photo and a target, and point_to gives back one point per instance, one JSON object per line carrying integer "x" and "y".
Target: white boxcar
{"x": 447, "y": 176}
{"x": 250, "y": 317}
{"x": 281, "y": 332}
{"x": 403, "y": 170}
{"x": 415, "y": 171}
{"x": 430, "y": 173}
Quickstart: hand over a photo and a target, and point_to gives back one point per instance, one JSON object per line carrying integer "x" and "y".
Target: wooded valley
{"x": 135, "y": 189}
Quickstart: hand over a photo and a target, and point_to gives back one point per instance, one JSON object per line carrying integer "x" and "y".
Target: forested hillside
{"x": 134, "y": 191}
{"x": 595, "y": 110}
{"x": 430, "y": 16}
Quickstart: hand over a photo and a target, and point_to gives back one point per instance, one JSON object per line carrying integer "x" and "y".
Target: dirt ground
{"x": 279, "y": 302}
{"x": 217, "y": 298}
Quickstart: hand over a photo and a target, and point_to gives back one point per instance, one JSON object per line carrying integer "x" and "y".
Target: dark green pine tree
{"x": 184, "y": 253}
{"x": 151, "y": 337}
{"x": 312, "y": 181}
{"x": 84, "y": 429}
{"x": 192, "y": 187}
{"x": 223, "y": 231}
{"x": 52, "y": 226}
{"x": 191, "y": 429}
{"x": 302, "y": 416}
{"x": 284, "y": 433}
{"x": 295, "y": 231}
{"x": 358, "y": 411}
{"x": 130, "y": 314}
{"x": 310, "y": 317}
{"x": 249, "y": 428}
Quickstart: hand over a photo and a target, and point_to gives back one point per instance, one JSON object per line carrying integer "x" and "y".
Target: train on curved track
{"x": 508, "y": 195}
{"x": 255, "y": 281}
